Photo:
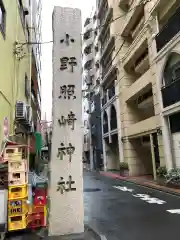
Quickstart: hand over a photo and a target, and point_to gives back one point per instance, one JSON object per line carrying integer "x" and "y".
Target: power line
{"x": 93, "y": 30}
{"x": 34, "y": 43}
{"x": 117, "y": 18}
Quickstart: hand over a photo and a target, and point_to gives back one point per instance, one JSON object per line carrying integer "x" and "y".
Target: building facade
{"x": 91, "y": 79}
{"x": 167, "y": 62}
{"x": 139, "y": 66}
{"x": 17, "y": 24}
{"x": 36, "y": 69}
{"x": 106, "y": 12}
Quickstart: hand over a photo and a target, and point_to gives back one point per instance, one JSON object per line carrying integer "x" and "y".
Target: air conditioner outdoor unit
{"x": 21, "y": 111}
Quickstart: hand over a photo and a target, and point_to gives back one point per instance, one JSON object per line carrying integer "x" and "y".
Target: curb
{"x": 88, "y": 234}
{"x": 95, "y": 233}
{"x": 142, "y": 184}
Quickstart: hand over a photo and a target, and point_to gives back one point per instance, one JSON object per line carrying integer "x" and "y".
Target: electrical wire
{"x": 117, "y": 18}
{"x": 93, "y": 30}
{"x": 124, "y": 41}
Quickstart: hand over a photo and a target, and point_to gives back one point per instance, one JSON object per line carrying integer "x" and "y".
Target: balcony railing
{"x": 108, "y": 49}
{"x": 109, "y": 75}
{"x": 104, "y": 101}
{"x": 104, "y": 14}
{"x": 168, "y": 31}
{"x": 105, "y": 128}
{"x": 171, "y": 93}
{"x": 105, "y": 20}
{"x": 111, "y": 92}
{"x": 104, "y": 44}
{"x": 106, "y": 69}
{"x": 113, "y": 123}
{"x": 138, "y": 28}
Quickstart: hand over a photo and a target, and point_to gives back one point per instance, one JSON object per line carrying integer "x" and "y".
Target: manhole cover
{"x": 92, "y": 189}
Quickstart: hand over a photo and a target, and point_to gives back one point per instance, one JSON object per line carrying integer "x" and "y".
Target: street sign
{"x": 6, "y": 127}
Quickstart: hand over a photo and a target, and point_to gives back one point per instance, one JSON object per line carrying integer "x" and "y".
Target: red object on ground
{"x": 36, "y": 220}
{"x": 40, "y": 197}
{"x": 37, "y": 209}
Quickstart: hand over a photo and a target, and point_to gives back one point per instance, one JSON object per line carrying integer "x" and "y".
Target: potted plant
{"x": 173, "y": 178}
{"x": 161, "y": 173}
{"x": 124, "y": 169}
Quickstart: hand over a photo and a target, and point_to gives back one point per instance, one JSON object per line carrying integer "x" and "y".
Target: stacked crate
{"x": 17, "y": 187}
{"x": 37, "y": 218}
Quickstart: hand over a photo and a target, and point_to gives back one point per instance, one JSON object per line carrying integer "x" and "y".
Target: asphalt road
{"x": 129, "y": 212}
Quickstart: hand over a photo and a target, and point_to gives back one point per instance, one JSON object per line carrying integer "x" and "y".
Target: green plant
{"x": 173, "y": 176}
{"x": 161, "y": 171}
{"x": 124, "y": 166}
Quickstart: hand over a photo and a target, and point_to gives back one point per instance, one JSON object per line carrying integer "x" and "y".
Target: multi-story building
{"x": 36, "y": 69}
{"x": 106, "y": 11}
{"x": 142, "y": 84}
{"x": 139, "y": 66}
{"x": 36, "y": 61}
{"x": 141, "y": 137}
{"x": 91, "y": 77}
{"x": 166, "y": 52}
{"x": 18, "y": 71}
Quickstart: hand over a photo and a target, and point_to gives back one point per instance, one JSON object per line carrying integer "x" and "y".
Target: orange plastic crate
{"x": 17, "y": 222}
{"x": 18, "y": 207}
{"x": 17, "y": 192}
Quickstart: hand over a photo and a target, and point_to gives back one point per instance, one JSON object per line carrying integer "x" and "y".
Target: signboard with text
{"x": 66, "y": 177}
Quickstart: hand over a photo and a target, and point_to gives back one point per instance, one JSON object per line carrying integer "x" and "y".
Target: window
{"x": 96, "y": 49}
{"x": 88, "y": 50}
{"x": 2, "y": 18}
{"x": 21, "y": 12}
{"x": 174, "y": 122}
{"x": 97, "y": 65}
{"x": 94, "y": 18}
{"x": 172, "y": 69}
{"x": 87, "y": 35}
{"x": 88, "y": 20}
{"x": 88, "y": 65}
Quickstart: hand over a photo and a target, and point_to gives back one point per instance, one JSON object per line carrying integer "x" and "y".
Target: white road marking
{"x": 177, "y": 211}
{"x": 148, "y": 199}
{"x": 143, "y": 197}
{"x": 124, "y": 189}
{"x": 103, "y": 237}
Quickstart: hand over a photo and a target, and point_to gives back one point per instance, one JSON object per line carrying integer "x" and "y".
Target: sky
{"x": 86, "y": 7}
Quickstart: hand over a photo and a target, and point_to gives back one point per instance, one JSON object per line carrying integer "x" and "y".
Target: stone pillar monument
{"x": 66, "y": 171}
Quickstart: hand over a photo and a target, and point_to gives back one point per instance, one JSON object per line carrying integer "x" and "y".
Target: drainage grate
{"x": 92, "y": 189}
